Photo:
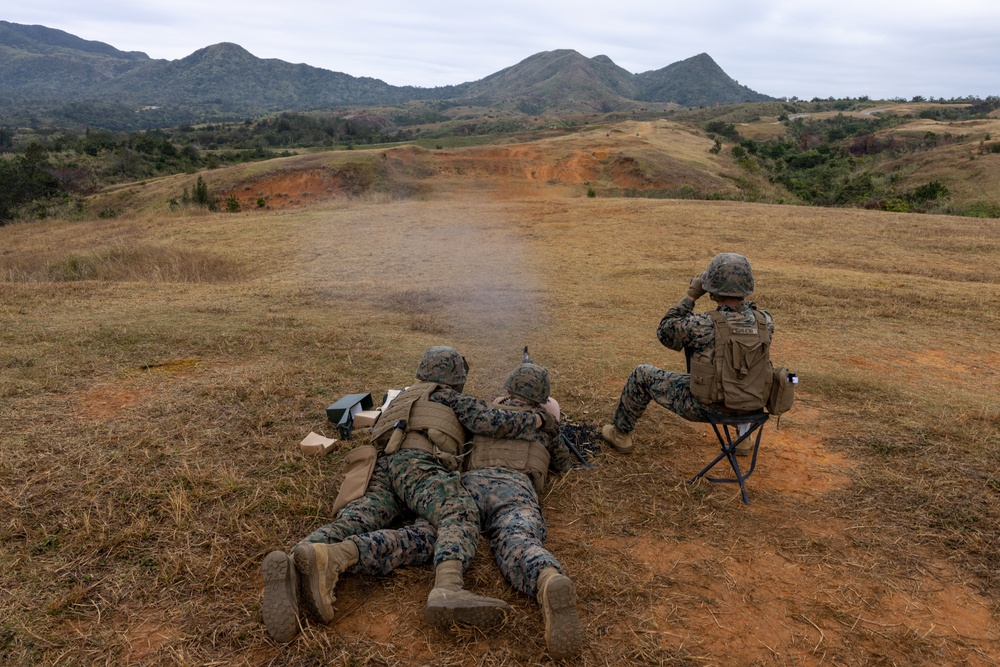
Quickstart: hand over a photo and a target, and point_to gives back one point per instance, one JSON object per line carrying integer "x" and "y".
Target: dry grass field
{"x": 158, "y": 369}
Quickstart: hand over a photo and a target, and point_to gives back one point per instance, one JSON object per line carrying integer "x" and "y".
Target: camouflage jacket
{"x": 683, "y": 329}
{"x": 561, "y": 459}
{"x": 479, "y": 418}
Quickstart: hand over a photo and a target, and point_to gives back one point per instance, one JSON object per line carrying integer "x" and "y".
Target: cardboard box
{"x": 366, "y": 418}
{"x": 315, "y": 444}
{"x": 390, "y": 396}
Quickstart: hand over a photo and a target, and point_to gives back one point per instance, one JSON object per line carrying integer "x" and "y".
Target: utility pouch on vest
{"x": 738, "y": 374}
{"x": 396, "y": 438}
{"x": 357, "y": 470}
{"x": 782, "y": 395}
{"x": 703, "y": 381}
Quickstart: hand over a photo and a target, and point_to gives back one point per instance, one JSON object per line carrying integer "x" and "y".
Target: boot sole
{"x": 563, "y": 633}
{"x": 280, "y": 608}
{"x": 444, "y": 613}
{"x": 306, "y": 562}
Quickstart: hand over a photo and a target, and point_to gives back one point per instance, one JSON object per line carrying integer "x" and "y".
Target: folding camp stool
{"x": 728, "y": 444}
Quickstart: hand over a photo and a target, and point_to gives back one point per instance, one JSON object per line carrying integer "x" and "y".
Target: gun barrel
{"x": 526, "y": 359}
{"x": 584, "y": 463}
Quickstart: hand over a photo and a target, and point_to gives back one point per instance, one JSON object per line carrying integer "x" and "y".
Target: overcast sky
{"x": 784, "y": 48}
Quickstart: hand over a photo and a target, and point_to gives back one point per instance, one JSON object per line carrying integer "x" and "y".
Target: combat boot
{"x": 619, "y": 440}
{"x": 450, "y": 603}
{"x": 557, "y": 596}
{"x": 319, "y": 565}
{"x": 280, "y": 610}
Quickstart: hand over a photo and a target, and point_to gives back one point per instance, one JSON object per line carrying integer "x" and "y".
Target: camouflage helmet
{"x": 444, "y": 365}
{"x": 728, "y": 274}
{"x": 529, "y": 382}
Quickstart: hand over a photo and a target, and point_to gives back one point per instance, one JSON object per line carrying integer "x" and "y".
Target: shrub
{"x": 200, "y": 195}
{"x": 233, "y": 204}
{"x": 930, "y": 192}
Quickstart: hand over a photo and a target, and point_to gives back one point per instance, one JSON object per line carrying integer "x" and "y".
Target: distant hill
{"x": 561, "y": 79}
{"x": 227, "y": 74}
{"x": 51, "y": 74}
{"x": 697, "y": 81}
{"x": 42, "y": 64}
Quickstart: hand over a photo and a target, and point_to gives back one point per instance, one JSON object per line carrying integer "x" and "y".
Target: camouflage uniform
{"x": 416, "y": 480}
{"x": 512, "y": 521}
{"x": 510, "y": 515}
{"x": 382, "y": 551}
{"x": 680, "y": 329}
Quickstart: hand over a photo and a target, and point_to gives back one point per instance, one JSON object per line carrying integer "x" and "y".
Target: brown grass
{"x": 150, "y": 421}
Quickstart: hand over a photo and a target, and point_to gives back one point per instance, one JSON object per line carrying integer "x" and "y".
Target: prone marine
{"x": 419, "y": 444}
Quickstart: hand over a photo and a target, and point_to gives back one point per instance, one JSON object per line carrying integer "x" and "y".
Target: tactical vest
{"x": 423, "y": 424}
{"x": 531, "y": 458}
{"x": 736, "y": 374}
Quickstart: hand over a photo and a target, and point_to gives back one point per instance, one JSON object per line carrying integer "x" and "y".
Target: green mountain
{"x": 557, "y": 80}
{"x": 40, "y": 63}
{"x": 229, "y": 75}
{"x": 694, "y": 82}
{"x": 50, "y": 76}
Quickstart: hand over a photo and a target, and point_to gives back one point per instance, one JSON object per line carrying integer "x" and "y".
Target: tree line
{"x": 840, "y": 161}
{"x": 52, "y": 165}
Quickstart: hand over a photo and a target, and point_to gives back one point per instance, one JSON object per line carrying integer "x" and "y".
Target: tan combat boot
{"x": 281, "y": 597}
{"x": 621, "y": 442}
{"x": 319, "y": 566}
{"x": 449, "y": 603}
{"x": 557, "y": 596}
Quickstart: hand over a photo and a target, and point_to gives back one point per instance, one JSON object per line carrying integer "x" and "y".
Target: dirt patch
{"x": 148, "y": 637}
{"x": 295, "y": 188}
{"x": 111, "y": 401}
{"x": 116, "y": 399}
{"x": 290, "y": 189}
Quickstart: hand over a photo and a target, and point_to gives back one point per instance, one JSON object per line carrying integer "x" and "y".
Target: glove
{"x": 696, "y": 290}
{"x": 550, "y": 425}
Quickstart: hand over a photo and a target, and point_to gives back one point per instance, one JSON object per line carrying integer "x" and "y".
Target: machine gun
{"x": 562, "y": 436}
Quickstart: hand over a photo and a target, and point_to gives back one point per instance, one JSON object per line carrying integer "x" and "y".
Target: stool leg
{"x": 728, "y": 446}
{"x": 718, "y": 434}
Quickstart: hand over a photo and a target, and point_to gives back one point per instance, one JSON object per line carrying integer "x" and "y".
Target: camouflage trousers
{"x": 382, "y": 551}
{"x": 411, "y": 480}
{"x": 511, "y": 519}
{"x": 671, "y": 390}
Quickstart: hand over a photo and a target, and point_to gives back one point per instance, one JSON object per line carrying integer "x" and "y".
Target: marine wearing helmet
{"x": 728, "y": 274}
{"x": 529, "y": 382}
